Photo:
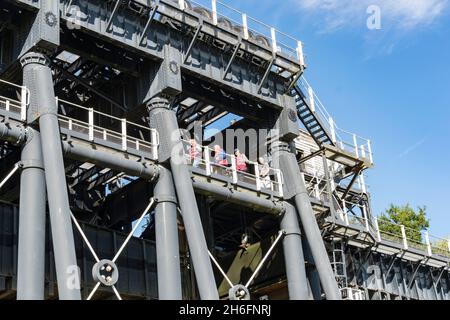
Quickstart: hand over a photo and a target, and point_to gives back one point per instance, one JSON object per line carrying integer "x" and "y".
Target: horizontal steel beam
{"x": 126, "y": 33}
{"x": 103, "y": 157}
{"x": 13, "y": 133}
{"x": 241, "y": 198}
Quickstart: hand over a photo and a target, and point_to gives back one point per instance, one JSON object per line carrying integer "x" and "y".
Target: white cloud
{"x": 399, "y": 14}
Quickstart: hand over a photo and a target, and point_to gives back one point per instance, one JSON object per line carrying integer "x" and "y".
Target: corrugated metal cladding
{"x": 137, "y": 264}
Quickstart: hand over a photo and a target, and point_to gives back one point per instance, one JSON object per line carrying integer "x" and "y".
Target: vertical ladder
{"x": 338, "y": 263}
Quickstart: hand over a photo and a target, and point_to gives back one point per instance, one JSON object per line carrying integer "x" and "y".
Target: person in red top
{"x": 241, "y": 161}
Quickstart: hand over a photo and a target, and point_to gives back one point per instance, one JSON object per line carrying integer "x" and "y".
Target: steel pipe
{"x": 14, "y": 133}
{"x": 37, "y": 77}
{"x": 296, "y": 190}
{"x": 166, "y": 233}
{"x": 165, "y": 121}
{"x": 109, "y": 159}
{"x": 245, "y": 199}
{"x": 293, "y": 255}
{"x": 32, "y": 208}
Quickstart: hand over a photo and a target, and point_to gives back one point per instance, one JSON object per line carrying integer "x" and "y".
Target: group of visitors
{"x": 220, "y": 159}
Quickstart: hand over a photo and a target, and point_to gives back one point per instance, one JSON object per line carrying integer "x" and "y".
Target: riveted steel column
{"x": 38, "y": 79}
{"x": 167, "y": 247}
{"x": 31, "y": 252}
{"x": 293, "y": 255}
{"x": 171, "y": 150}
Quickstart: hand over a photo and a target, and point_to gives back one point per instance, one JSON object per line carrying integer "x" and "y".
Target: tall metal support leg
{"x": 38, "y": 78}
{"x": 311, "y": 272}
{"x": 293, "y": 255}
{"x": 318, "y": 251}
{"x": 164, "y": 120}
{"x": 166, "y": 229}
{"x": 31, "y": 256}
{"x": 294, "y": 181}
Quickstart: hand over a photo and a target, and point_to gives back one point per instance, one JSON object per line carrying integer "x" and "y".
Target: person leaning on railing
{"x": 264, "y": 173}
{"x": 220, "y": 161}
{"x": 241, "y": 161}
{"x": 220, "y": 157}
{"x": 195, "y": 153}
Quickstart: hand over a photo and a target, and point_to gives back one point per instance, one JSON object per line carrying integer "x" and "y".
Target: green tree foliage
{"x": 442, "y": 246}
{"x": 414, "y": 221}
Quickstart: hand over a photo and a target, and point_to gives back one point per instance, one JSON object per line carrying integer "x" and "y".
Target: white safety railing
{"x": 345, "y": 140}
{"x": 14, "y": 98}
{"x": 263, "y": 179}
{"x": 360, "y": 185}
{"x": 387, "y": 230}
{"x": 223, "y": 15}
{"x": 316, "y": 185}
{"x": 346, "y": 211}
{"x": 99, "y": 126}
{"x": 411, "y": 238}
{"x": 439, "y": 246}
{"x": 381, "y": 229}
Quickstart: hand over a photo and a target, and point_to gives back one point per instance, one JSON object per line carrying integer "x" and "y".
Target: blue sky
{"x": 391, "y": 85}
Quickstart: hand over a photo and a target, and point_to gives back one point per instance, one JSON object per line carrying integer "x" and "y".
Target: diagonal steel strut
{"x": 122, "y": 247}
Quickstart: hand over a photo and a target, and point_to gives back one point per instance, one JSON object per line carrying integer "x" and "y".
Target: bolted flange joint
{"x": 159, "y": 102}
{"x": 166, "y": 198}
{"x": 279, "y": 146}
{"x": 34, "y": 58}
{"x": 239, "y": 292}
{"x": 106, "y": 272}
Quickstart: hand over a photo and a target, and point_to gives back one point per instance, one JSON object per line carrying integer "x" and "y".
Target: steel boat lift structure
{"x": 94, "y": 98}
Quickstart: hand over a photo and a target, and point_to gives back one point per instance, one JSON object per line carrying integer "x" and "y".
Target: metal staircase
{"x": 310, "y": 120}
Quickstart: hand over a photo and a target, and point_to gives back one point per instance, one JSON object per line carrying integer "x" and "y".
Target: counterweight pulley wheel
{"x": 106, "y": 272}
{"x": 239, "y": 292}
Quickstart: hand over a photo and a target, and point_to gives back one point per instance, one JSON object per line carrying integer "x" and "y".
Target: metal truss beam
{"x": 208, "y": 118}
{"x": 85, "y": 84}
{"x": 102, "y": 179}
{"x": 227, "y": 100}
{"x": 363, "y": 261}
{"x": 191, "y": 45}
{"x": 84, "y": 175}
{"x": 149, "y": 22}
{"x": 266, "y": 74}
{"x": 185, "y": 114}
{"x": 392, "y": 262}
{"x": 162, "y": 34}
{"x": 413, "y": 277}
{"x": 350, "y": 185}
{"x": 113, "y": 15}
{"x": 233, "y": 56}
{"x": 104, "y": 53}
